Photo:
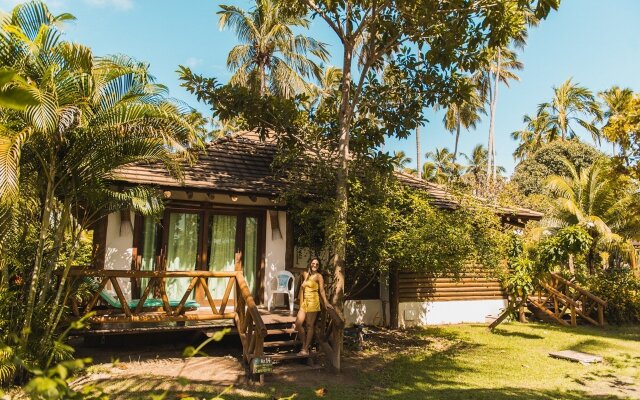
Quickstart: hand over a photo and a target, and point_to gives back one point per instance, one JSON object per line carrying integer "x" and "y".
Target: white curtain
{"x": 250, "y": 252}
{"x": 221, "y": 251}
{"x": 182, "y": 251}
{"x": 149, "y": 231}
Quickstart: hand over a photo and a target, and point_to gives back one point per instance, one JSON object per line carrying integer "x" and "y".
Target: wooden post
{"x": 573, "y": 315}
{"x": 600, "y": 314}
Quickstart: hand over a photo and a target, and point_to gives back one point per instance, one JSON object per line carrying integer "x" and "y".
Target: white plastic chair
{"x": 282, "y": 279}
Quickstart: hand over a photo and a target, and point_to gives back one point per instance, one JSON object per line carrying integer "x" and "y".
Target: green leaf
{"x": 43, "y": 388}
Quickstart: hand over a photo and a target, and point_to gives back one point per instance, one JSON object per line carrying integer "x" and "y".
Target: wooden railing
{"x": 330, "y": 332}
{"x": 251, "y": 328}
{"x": 245, "y": 314}
{"x": 556, "y": 297}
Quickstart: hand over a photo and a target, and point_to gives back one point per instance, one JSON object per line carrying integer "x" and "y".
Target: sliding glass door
{"x": 190, "y": 240}
{"x": 182, "y": 250}
{"x": 222, "y": 249}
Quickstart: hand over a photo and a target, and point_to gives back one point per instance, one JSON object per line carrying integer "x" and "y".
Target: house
{"x": 227, "y": 202}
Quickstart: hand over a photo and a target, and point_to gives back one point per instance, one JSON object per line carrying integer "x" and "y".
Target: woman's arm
{"x": 323, "y": 295}
{"x": 301, "y": 294}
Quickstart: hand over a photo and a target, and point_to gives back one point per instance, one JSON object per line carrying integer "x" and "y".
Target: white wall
{"x": 119, "y": 250}
{"x": 367, "y": 312}
{"x": 448, "y": 312}
{"x": 275, "y": 250}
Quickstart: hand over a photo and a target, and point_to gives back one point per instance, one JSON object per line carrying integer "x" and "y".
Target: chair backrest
{"x": 283, "y": 278}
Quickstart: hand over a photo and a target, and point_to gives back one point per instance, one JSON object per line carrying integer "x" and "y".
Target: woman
{"x": 311, "y": 291}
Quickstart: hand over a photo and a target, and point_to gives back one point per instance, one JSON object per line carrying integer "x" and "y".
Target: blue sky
{"x": 596, "y": 42}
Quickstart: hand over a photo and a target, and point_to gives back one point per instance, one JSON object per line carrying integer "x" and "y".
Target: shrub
{"x": 621, "y": 289}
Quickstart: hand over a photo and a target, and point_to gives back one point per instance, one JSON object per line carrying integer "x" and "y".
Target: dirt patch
{"x": 134, "y": 367}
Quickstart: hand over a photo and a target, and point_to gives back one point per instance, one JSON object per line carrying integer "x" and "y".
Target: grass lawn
{"x": 467, "y": 362}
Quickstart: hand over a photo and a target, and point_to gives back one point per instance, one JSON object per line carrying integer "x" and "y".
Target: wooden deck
{"x": 273, "y": 318}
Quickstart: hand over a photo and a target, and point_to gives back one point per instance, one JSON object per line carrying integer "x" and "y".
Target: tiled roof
{"x": 241, "y": 163}
{"x": 232, "y": 164}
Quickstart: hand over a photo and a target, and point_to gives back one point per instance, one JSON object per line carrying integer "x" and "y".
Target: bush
{"x": 621, "y": 289}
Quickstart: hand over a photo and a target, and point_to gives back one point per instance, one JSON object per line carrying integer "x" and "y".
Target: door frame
{"x": 204, "y": 212}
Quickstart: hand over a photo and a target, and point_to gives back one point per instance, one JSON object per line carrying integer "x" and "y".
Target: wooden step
{"x": 282, "y": 343}
{"x": 296, "y": 368}
{"x": 291, "y": 356}
{"x": 282, "y": 331}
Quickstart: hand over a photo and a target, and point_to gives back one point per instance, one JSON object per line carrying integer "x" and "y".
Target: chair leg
{"x": 291, "y": 303}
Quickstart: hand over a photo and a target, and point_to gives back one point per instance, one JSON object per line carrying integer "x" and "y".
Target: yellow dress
{"x": 311, "y": 298}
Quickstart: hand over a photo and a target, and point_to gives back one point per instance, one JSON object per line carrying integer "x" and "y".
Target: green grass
{"x": 468, "y": 362}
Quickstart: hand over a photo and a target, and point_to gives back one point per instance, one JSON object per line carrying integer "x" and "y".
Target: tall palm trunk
{"x": 418, "y": 153}
{"x": 263, "y": 79}
{"x": 493, "y": 96}
{"x": 42, "y": 238}
{"x": 418, "y": 149}
{"x": 455, "y": 147}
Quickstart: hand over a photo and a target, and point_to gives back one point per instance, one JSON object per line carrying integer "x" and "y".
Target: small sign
{"x": 261, "y": 365}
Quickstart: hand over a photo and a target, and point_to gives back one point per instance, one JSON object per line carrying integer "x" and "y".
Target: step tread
{"x": 282, "y": 343}
{"x": 291, "y": 356}
{"x": 281, "y": 331}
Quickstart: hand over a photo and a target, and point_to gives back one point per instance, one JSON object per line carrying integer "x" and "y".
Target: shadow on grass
{"x": 589, "y": 345}
{"x": 501, "y": 332}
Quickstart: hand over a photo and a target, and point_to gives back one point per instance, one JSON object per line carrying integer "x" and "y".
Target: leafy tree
{"x": 372, "y": 32}
{"x": 384, "y": 85}
{"x": 271, "y": 56}
{"x": 530, "y": 174}
{"x": 91, "y": 116}
{"x": 572, "y": 103}
{"x": 623, "y": 129}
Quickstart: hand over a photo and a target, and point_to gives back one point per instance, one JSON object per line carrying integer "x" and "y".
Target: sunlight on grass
{"x": 468, "y": 362}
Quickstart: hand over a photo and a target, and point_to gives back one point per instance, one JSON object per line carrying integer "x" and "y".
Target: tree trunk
{"x": 418, "y": 149}
{"x": 262, "y": 77}
{"x": 493, "y": 115}
{"x": 394, "y": 303}
{"x": 37, "y": 265}
{"x": 572, "y": 269}
{"x": 342, "y": 203}
{"x": 455, "y": 148}
{"x": 418, "y": 153}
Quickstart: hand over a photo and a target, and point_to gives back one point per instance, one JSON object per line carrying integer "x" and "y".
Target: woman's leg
{"x": 311, "y": 322}
{"x": 300, "y": 325}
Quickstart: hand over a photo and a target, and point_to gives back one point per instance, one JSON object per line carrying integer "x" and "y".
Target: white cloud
{"x": 117, "y": 4}
{"x": 193, "y": 62}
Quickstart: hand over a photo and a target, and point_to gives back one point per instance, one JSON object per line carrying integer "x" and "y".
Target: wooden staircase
{"x": 557, "y": 300}
{"x": 561, "y": 301}
{"x": 279, "y": 345}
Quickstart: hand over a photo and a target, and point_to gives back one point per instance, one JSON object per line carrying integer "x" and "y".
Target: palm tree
{"x": 538, "y": 131}
{"x": 617, "y": 101}
{"x": 592, "y": 199}
{"x": 477, "y": 167}
{"x": 465, "y": 114}
{"x": 400, "y": 160}
{"x": 573, "y": 103}
{"x": 500, "y": 67}
{"x": 91, "y": 116}
{"x": 441, "y": 168}
{"x": 271, "y": 56}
